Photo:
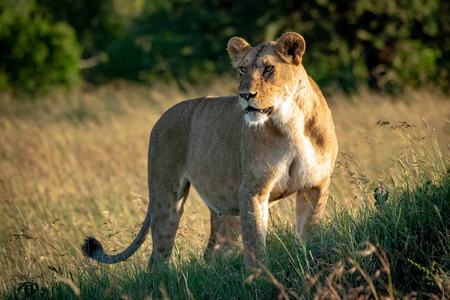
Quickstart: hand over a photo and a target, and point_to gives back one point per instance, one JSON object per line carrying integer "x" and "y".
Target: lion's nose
{"x": 248, "y": 96}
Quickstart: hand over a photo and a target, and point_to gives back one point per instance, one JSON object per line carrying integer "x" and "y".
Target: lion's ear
{"x": 291, "y": 46}
{"x": 237, "y": 48}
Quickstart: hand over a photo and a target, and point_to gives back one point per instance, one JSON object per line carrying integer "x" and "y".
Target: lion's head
{"x": 269, "y": 75}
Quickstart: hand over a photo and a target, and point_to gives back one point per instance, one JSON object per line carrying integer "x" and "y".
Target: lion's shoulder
{"x": 315, "y": 88}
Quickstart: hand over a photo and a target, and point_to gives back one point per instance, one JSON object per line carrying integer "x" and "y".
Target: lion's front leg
{"x": 254, "y": 214}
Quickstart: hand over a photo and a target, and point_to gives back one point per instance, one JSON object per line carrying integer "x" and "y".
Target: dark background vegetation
{"x": 382, "y": 44}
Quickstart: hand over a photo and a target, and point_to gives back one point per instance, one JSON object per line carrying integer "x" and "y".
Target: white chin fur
{"x": 255, "y": 118}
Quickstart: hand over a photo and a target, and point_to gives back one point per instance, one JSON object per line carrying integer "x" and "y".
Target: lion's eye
{"x": 268, "y": 69}
{"x": 242, "y": 70}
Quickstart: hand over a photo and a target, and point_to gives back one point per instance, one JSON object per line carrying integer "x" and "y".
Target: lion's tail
{"x": 93, "y": 249}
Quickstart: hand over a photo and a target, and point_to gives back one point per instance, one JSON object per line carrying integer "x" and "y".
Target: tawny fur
{"x": 241, "y": 153}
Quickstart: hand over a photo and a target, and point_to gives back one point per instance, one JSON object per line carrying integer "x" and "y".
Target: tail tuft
{"x": 92, "y": 248}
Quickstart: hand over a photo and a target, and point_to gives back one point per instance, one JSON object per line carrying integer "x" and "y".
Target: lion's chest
{"x": 302, "y": 167}
{"x": 309, "y": 166}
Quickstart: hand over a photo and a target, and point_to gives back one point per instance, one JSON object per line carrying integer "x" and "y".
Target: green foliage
{"x": 429, "y": 274}
{"x": 385, "y": 45}
{"x": 414, "y": 227}
{"x": 36, "y": 52}
{"x": 165, "y": 43}
{"x": 31, "y": 289}
{"x": 96, "y": 23}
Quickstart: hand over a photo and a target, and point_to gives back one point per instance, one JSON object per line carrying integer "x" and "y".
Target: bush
{"x": 384, "y": 45}
{"x": 97, "y": 25}
{"x": 36, "y": 53}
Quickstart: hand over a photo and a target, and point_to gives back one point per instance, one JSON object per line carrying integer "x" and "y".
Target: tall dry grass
{"x": 75, "y": 165}
{"x": 376, "y": 132}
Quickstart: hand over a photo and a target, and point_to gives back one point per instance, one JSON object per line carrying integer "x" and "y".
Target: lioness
{"x": 241, "y": 153}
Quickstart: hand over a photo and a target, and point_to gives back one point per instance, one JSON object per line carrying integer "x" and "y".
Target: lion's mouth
{"x": 262, "y": 111}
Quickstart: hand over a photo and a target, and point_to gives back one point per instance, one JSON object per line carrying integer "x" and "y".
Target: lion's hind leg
{"x": 166, "y": 207}
{"x": 225, "y": 232}
{"x": 310, "y": 205}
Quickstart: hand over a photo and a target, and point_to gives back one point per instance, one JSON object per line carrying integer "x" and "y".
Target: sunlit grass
{"x": 75, "y": 165}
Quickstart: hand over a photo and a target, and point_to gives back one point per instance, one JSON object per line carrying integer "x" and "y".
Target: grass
{"x": 75, "y": 165}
